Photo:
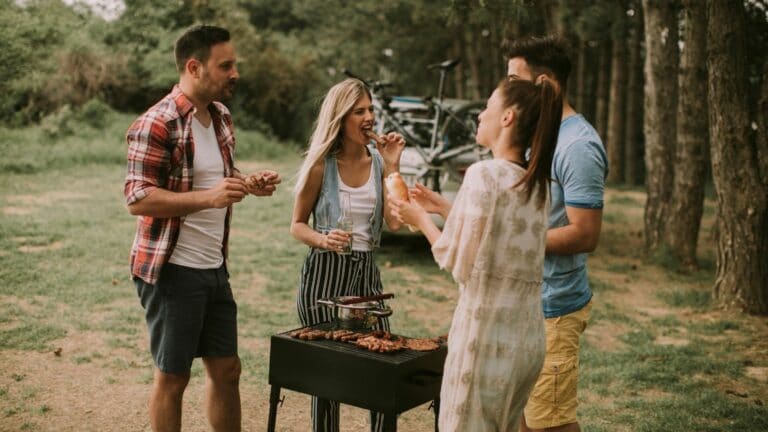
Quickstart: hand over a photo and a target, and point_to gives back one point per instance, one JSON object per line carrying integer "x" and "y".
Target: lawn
{"x": 73, "y": 345}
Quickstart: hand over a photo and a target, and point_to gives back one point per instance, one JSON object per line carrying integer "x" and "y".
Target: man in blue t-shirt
{"x": 579, "y": 169}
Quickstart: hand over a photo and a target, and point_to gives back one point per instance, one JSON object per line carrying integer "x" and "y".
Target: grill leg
{"x": 436, "y": 407}
{"x": 274, "y": 398}
{"x": 390, "y": 422}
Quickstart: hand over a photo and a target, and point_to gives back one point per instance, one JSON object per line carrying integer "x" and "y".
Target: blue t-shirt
{"x": 579, "y": 168}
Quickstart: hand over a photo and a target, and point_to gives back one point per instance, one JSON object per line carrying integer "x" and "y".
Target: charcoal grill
{"x": 389, "y": 383}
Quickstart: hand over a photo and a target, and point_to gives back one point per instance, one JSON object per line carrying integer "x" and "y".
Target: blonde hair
{"x": 326, "y": 137}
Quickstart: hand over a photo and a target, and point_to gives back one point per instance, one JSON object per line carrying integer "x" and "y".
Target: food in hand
{"x": 256, "y": 181}
{"x": 396, "y": 186}
{"x": 398, "y": 189}
{"x": 372, "y": 135}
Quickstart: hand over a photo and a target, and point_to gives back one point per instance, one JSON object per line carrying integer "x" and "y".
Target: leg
{"x": 274, "y": 398}
{"x": 325, "y": 415}
{"x": 386, "y": 423}
{"x": 553, "y": 402}
{"x": 436, "y": 407}
{"x": 381, "y": 422}
{"x": 165, "y": 401}
{"x": 173, "y": 340}
{"x": 222, "y": 395}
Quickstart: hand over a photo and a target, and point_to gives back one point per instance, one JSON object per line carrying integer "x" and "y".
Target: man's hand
{"x": 262, "y": 183}
{"x": 228, "y": 191}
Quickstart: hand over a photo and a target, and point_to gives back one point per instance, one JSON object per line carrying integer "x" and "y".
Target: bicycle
{"x": 440, "y": 140}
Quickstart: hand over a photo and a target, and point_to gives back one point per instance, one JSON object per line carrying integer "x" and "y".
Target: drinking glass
{"x": 345, "y": 221}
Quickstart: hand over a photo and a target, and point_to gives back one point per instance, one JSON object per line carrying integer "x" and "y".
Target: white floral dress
{"x": 493, "y": 245}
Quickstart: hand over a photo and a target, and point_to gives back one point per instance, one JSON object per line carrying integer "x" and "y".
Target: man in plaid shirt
{"x": 182, "y": 184}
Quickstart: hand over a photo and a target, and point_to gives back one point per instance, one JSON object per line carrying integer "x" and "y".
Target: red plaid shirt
{"x": 160, "y": 155}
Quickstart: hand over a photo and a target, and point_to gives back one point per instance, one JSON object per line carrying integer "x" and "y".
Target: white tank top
{"x": 202, "y": 233}
{"x": 363, "y": 201}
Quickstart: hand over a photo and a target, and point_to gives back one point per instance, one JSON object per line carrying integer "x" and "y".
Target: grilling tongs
{"x": 353, "y": 300}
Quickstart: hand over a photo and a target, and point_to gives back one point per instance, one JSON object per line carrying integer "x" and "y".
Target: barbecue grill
{"x": 389, "y": 383}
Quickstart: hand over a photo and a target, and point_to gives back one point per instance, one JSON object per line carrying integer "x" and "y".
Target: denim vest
{"x": 328, "y": 207}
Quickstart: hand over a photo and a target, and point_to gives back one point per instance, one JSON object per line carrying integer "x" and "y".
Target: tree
{"x": 633, "y": 131}
{"x": 738, "y": 163}
{"x": 617, "y": 95}
{"x": 603, "y": 88}
{"x": 692, "y": 155}
{"x": 661, "y": 64}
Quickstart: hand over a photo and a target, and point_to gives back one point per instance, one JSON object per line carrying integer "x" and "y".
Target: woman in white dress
{"x": 493, "y": 244}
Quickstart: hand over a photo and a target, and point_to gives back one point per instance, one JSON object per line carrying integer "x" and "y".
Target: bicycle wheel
{"x": 460, "y": 129}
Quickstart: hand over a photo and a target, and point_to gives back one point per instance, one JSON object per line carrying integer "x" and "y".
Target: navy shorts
{"x": 190, "y": 313}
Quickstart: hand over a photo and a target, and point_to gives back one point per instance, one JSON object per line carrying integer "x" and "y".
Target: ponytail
{"x": 544, "y": 142}
{"x": 539, "y": 110}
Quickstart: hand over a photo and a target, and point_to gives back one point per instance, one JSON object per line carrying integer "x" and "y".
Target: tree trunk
{"x": 458, "y": 73}
{"x": 661, "y": 64}
{"x": 634, "y": 168}
{"x": 691, "y": 159}
{"x": 742, "y": 246}
{"x": 603, "y": 86}
{"x": 586, "y": 81}
{"x": 473, "y": 57}
{"x": 617, "y": 98}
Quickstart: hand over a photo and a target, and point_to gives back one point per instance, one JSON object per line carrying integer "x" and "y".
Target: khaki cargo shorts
{"x": 553, "y": 400}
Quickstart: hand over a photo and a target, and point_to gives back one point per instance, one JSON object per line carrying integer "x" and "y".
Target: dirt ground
{"x": 88, "y": 384}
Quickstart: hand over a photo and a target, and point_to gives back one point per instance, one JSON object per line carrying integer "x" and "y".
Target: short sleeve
{"x": 581, "y": 171}
{"x": 458, "y": 246}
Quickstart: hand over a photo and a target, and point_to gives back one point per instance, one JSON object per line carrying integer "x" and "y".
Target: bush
{"x": 66, "y": 120}
{"x": 59, "y": 123}
{"x": 94, "y": 113}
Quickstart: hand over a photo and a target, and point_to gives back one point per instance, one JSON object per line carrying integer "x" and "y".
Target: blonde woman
{"x": 341, "y": 161}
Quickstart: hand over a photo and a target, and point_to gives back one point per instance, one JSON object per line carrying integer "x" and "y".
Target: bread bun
{"x": 396, "y": 186}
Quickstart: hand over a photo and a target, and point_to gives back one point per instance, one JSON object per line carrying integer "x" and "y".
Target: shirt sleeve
{"x": 459, "y": 244}
{"x": 582, "y": 170}
{"x": 148, "y": 158}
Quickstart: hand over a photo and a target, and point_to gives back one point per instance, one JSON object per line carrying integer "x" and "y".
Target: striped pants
{"x": 327, "y": 275}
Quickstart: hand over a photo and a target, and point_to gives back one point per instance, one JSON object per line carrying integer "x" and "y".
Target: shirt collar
{"x": 184, "y": 106}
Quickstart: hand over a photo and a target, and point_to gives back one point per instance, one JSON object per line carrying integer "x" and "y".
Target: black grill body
{"x": 389, "y": 383}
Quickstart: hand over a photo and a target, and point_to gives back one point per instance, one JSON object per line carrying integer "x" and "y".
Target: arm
{"x": 414, "y": 214}
{"x": 431, "y": 201}
{"x": 390, "y": 146}
{"x": 302, "y": 207}
{"x": 581, "y": 170}
{"x": 162, "y": 203}
{"x": 579, "y": 236}
{"x": 392, "y": 222}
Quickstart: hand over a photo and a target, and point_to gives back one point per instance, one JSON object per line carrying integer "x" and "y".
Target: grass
{"x": 64, "y": 242}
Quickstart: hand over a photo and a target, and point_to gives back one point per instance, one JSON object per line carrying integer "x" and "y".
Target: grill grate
{"x": 350, "y": 348}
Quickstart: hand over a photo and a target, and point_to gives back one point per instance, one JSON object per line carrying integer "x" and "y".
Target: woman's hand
{"x": 335, "y": 240}
{"x": 430, "y": 201}
{"x": 408, "y": 212}
{"x": 391, "y": 147}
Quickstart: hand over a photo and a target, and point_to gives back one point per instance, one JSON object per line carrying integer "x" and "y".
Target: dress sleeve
{"x": 458, "y": 247}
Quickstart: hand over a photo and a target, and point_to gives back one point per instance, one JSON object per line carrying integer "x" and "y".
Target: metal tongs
{"x": 354, "y": 300}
